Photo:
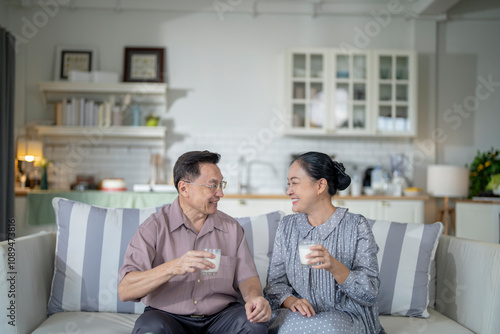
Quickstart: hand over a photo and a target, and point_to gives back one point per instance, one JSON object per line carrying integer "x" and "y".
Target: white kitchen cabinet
{"x": 403, "y": 211}
{"x": 367, "y": 208}
{"x": 351, "y": 93}
{"x": 244, "y": 207}
{"x": 307, "y": 90}
{"x": 399, "y": 210}
{"x": 370, "y": 92}
{"x": 395, "y": 92}
{"x": 478, "y": 221}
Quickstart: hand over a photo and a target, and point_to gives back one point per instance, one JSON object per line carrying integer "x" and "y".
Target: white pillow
{"x": 406, "y": 252}
{"x": 91, "y": 243}
{"x": 260, "y": 232}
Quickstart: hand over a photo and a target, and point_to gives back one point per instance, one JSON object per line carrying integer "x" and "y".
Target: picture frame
{"x": 144, "y": 64}
{"x": 81, "y": 58}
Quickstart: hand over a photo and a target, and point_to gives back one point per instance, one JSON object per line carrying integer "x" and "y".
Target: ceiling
{"x": 426, "y": 9}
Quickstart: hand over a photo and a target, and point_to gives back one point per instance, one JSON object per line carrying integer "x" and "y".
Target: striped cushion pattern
{"x": 91, "y": 243}
{"x": 406, "y": 252}
{"x": 260, "y": 232}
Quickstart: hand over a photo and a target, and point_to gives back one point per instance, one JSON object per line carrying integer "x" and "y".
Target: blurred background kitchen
{"x": 228, "y": 76}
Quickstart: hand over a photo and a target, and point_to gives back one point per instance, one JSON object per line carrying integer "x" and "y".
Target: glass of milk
{"x": 304, "y": 250}
{"x": 216, "y": 261}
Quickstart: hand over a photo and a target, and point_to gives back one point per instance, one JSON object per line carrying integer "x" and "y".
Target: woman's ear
{"x": 322, "y": 186}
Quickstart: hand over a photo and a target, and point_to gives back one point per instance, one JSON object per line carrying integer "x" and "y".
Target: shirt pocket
{"x": 224, "y": 280}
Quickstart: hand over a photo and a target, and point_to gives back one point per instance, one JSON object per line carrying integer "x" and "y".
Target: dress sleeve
{"x": 278, "y": 288}
{"x": 363, "y": 282}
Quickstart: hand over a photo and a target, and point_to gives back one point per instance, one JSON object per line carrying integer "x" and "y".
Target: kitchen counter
{"x": 40, "y": 211}
{"x": 480, "y": 201}
{"x": 26, "y": 191}
{"x": 336, "y": 197}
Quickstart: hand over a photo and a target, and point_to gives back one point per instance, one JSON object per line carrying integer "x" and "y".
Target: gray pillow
{"x": 406, "y": 253}
{"x": 90, "y": 246}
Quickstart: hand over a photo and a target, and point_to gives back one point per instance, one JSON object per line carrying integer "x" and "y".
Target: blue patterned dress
{"x": 349, "y": 307}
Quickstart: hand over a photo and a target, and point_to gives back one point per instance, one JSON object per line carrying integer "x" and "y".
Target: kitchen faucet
{"x": 241, "y": 164}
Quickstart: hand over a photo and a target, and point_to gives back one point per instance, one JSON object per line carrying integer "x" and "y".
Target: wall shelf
{"x": 126, "y": 132}
{"x": 143, "y": 92}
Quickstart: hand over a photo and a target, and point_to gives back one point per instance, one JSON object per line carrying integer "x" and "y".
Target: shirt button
{"x": 195, "y": 302}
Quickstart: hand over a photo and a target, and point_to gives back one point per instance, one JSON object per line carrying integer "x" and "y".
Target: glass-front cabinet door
{"x": 306, "y": 92}
{"x": 350, "y": 95}
{"x": 395, "y": 92}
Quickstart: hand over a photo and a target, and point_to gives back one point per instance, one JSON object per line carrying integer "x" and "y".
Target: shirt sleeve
{"x": 278, "y": 287}
{"x": 363, "y": 282}
{"x": 140, "y": 251}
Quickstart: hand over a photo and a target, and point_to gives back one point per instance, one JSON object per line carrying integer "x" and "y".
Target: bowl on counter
{"x": 412, "y": 191}
{"x": 369, "y": 191}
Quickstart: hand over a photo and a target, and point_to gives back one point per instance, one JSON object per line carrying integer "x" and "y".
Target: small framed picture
{"x": 74, "y": 58}
{"x": 144, "y": 64}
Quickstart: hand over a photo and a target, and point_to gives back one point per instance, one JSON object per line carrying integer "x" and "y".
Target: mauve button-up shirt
{"x": 167, "y": 235}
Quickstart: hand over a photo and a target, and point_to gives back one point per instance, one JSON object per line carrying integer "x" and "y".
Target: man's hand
{"x": 137, "y": 284}
{"x": 258, "y": 310}
{"x": 191, "y": 262}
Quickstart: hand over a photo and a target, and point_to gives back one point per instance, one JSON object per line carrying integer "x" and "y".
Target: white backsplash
{"x": 270, "y": 156}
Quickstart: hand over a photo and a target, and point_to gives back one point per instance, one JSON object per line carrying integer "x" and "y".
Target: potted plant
{"x": 482, "y": 169}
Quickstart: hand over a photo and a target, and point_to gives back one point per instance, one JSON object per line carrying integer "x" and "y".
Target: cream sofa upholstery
{"x": 467, "y": 293}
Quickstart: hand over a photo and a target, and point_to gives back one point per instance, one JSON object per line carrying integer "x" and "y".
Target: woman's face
{"x": 302, "y": 190}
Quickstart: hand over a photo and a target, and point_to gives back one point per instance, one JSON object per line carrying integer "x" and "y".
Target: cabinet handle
{"x": 385, "y": 203}
{"x": 340, "y": 203}
{"x": 242, "y": 202}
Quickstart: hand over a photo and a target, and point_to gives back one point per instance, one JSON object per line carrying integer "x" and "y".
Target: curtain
{"x": 7, "y": 162}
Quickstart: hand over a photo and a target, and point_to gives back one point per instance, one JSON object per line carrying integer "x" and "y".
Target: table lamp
{"x": 447, "y": 181}
{"x": 29, "y": 150}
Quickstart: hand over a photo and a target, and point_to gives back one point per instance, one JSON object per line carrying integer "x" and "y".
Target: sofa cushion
{"x": 406, "y": 252}
{"x": 88, "y": 323}
{"x": 91, "y": 243}
{"x": 260, "y": 232}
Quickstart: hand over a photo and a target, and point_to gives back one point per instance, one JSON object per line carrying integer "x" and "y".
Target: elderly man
{"x": 164, "y": 259}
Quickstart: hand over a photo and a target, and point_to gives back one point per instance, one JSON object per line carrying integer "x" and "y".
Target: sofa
{"x": 460, "y": 291}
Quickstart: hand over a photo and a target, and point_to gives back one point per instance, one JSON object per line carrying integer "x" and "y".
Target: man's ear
{"x": 183, "y": 188}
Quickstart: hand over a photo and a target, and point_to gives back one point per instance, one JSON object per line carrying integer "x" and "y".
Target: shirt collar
{"x": 178, "y": 218}
{"x": 323, "y": 230}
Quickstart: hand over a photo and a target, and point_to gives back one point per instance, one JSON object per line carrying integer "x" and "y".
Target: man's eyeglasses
{"x": 214, "y": 187}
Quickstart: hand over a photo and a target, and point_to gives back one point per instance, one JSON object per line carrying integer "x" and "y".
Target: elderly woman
{"x": 337, "y": 291}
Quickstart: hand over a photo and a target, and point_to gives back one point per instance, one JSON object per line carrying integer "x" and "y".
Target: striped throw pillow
{"x": 260, "y": 232}
{"x": 406, "y": 253}
{"x": 91, "y": 243}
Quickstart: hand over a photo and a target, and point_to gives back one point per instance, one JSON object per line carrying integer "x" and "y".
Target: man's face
{"x": 203, "y": 199}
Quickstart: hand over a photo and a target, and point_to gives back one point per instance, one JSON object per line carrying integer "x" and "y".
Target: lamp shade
{"x": 447, "y": 181}
{"x": 29, "y": 150}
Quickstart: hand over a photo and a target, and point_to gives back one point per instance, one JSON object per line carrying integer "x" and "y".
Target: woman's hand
{"x": 302, "y": 305}
{"x": 326, "y": 261}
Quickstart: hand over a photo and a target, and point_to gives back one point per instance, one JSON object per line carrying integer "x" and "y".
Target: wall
{"x": 3, "y": 14}
{"x": 229, "y": 73}
{"x": 226, "y": 83}
{"x": 468, "y": 110}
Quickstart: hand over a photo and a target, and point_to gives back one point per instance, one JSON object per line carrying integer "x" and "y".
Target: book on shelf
{"x": 82, "y": 112}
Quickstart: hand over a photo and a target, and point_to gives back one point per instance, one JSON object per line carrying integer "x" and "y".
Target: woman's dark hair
{"x": 187, "y": 167}
{"x": 320, "y": 166}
